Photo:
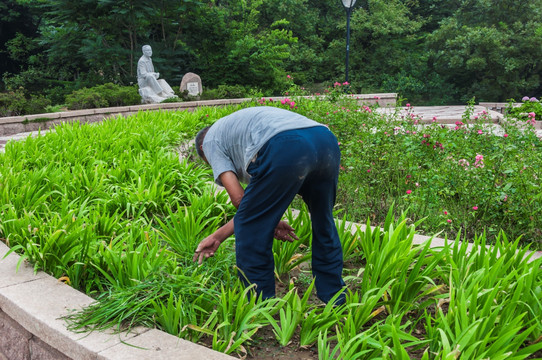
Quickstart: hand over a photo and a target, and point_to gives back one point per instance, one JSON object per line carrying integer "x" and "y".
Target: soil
{"x": 266, "y": 347}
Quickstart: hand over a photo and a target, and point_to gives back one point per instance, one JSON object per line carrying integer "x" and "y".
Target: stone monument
{"x": 192, "y": 83}
{"x": 151, "y": 88}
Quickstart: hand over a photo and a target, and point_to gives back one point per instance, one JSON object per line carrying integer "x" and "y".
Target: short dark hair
{"x": 199, "y": 141}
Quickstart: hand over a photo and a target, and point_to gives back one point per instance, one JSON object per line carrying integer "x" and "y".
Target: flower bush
{"x": 529, "y": 110}
{"x": 428, "y": 168}
{"x": 103, "y": 96}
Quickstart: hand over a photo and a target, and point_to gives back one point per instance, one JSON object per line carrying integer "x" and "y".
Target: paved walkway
{"x": 443, "y": 114}
{"x": 16, "y": 137}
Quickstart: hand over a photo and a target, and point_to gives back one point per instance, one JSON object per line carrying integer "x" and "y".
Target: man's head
{"x": 199, "y": 142}
{"x": 147, "y": 50}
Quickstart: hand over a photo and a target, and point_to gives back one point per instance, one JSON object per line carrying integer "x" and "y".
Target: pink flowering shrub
{"x": 529, "y": 111}
{"x": 338, "y": 91}
{"x": 427, "y": 168}
{"x": 436, "y": 167}
{"x": 479, "y": 161}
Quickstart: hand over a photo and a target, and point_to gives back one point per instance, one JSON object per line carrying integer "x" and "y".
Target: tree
{"x": 17, "y": 26}
{"x": 490, "y": 49}
{"x": 232, "y": 45}
{"x": 384, "y": 45}
{"x": 431, "y": 51}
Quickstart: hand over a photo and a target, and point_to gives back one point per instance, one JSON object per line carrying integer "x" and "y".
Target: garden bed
{"x": 118, "y": 217}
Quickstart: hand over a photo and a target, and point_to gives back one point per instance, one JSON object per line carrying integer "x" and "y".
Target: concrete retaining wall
{"x": 20, "y": 124}
{"x": 19, "y": 344}
{"x": 499, "y": 107}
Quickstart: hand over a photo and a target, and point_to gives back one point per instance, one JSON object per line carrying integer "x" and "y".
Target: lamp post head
{"x": 348, "y": 4}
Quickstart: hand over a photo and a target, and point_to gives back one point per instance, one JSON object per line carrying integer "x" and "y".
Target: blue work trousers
{"x": 306, "y": 162}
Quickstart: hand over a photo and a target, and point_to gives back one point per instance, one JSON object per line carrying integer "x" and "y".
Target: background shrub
{"x": 103, "y": 96}
{"x": 37, "y": 105}
{"x": 529, "y": 105}
{"x": 85, "y": 99}
{"x": 117, "y": 95}
{"x": 225, "y": 92}
{"x": 14, "y": 103}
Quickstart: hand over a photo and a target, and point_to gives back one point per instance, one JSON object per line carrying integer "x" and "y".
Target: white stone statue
{"x": 151, "y": 88}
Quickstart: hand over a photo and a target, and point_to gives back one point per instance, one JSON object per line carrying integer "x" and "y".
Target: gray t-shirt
{"x": 234, "y": 140}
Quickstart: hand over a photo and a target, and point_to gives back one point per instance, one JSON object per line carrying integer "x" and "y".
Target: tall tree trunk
{"x": 132, "y": 44}
{"x": 162, "y": 21}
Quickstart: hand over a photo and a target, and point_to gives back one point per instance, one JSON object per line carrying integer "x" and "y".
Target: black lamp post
{"x": 348, "y": 5}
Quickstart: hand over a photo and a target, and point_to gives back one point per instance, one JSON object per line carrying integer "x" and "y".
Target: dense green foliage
{"x": 117, "y": 180}
{"x": 119, "y": 216}
{"x": 15, "y": 103}
{"x": 107, "y": 95}
{"x": 430, "y": 51}
{"x": 530, "y": 109}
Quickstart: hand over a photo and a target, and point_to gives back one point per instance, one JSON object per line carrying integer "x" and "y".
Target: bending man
{"x": 279, "y": 154}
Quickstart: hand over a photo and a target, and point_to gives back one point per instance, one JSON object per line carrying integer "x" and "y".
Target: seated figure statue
{"x": 151, "y": 88}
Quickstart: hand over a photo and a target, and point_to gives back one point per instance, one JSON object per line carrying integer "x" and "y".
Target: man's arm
{"x": 208, "y": 246}
{"x": 233, "y": 187}
{"x": 283, "y": 231}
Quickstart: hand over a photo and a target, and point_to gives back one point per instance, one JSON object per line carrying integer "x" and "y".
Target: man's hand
{"x": 206, "y": 248}
{"x": 285, "y": 232}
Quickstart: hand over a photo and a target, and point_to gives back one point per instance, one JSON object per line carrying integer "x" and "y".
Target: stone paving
{"x": 443, "y": 114}
{"x": 16, "y": 137}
